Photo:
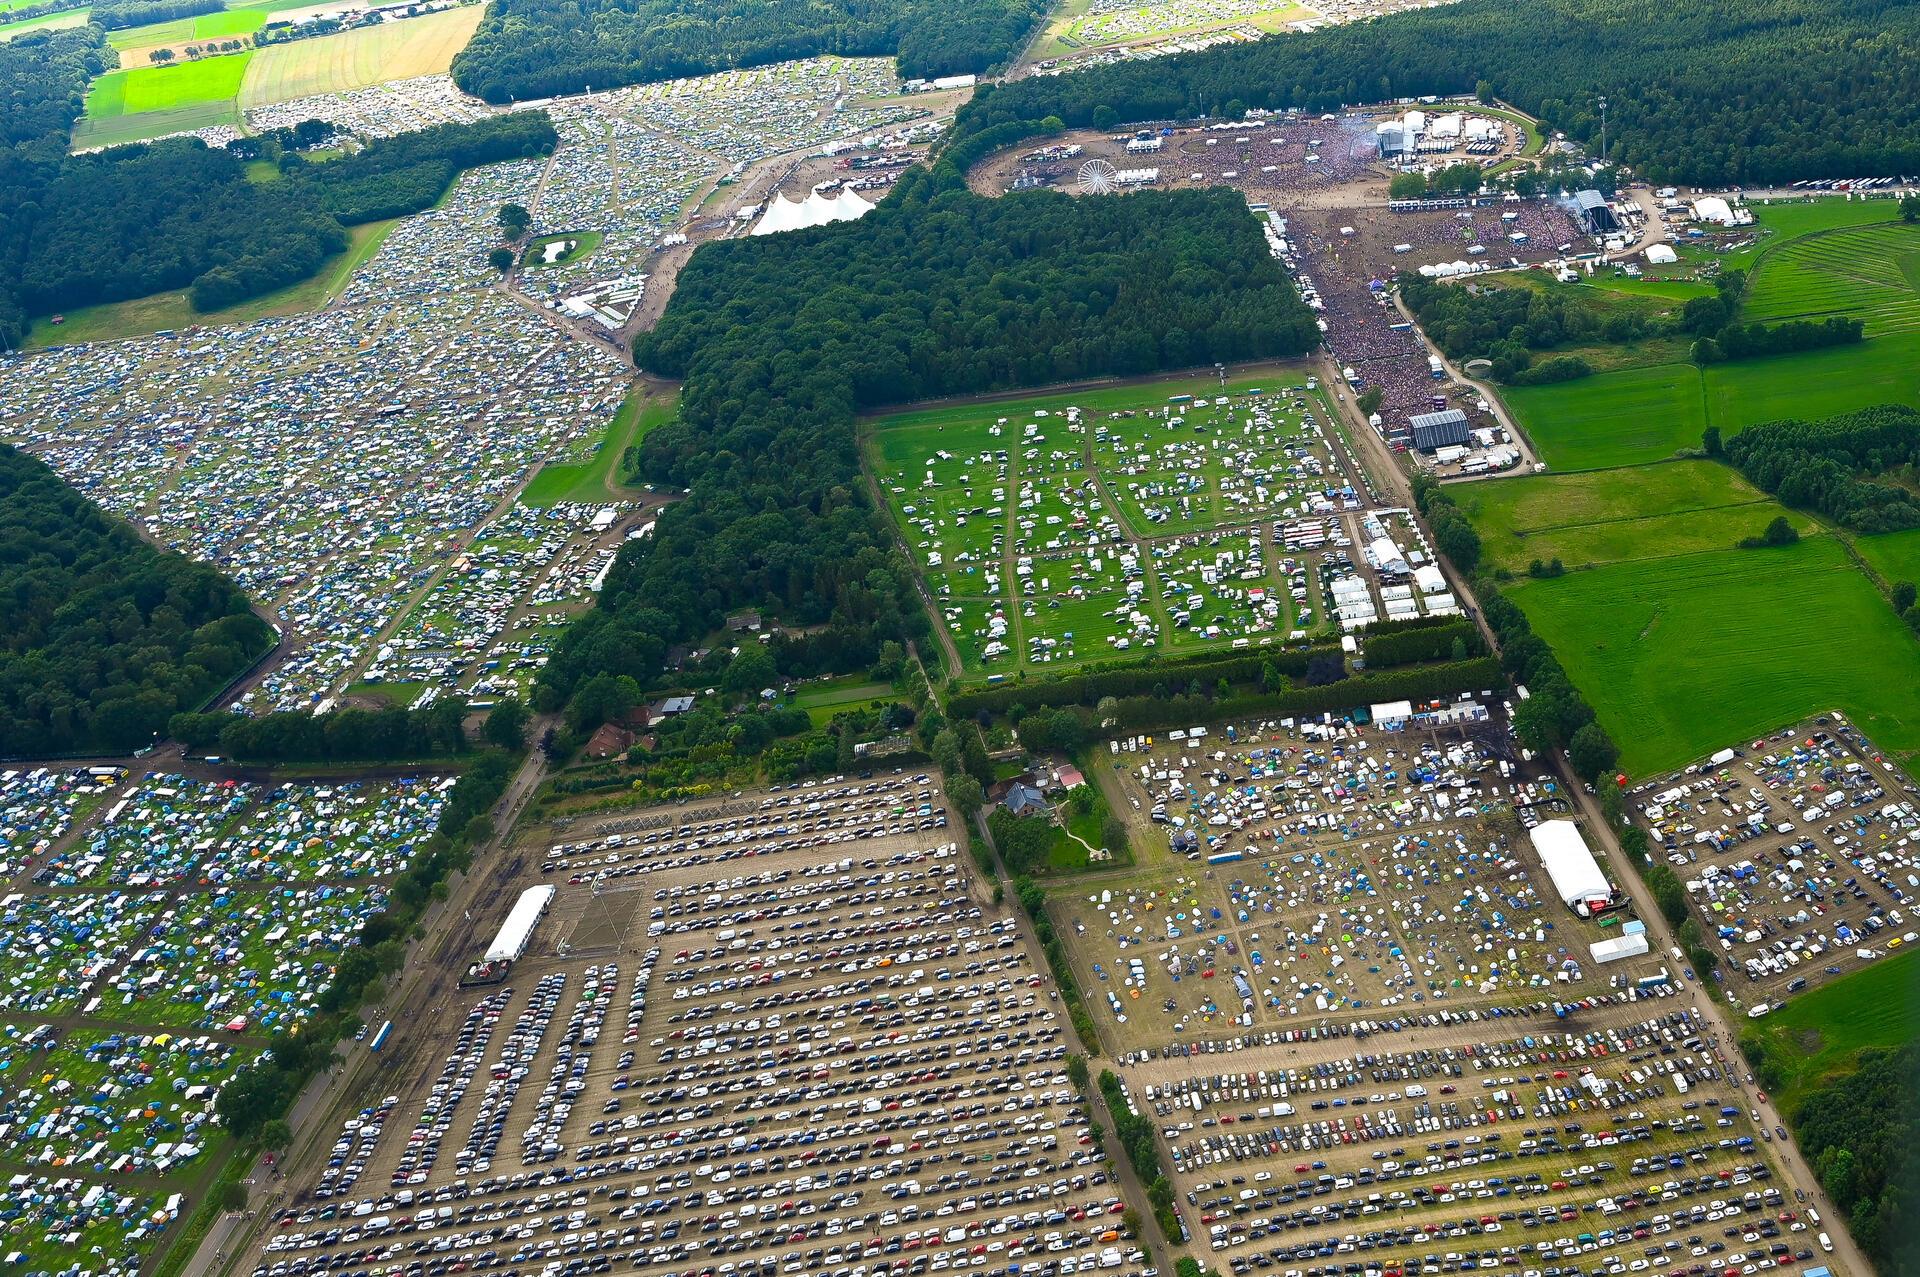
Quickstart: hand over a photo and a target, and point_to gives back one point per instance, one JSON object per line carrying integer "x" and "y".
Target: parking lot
{"x": 1601, "y": 1148}
{"x": 778, "y": 1033}
{"x": 1800, "y": 853}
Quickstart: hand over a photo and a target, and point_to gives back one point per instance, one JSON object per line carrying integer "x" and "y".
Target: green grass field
{"x": 1614, "y": 516}
{"x": 1826, "y": 1028}
{"x": 1683, "y": 655}
{"x": 179, "y": 32}
{"x": 584, "y": 242}
{"x": 163, "y": 88}
{"x": 597, "y": 478}
{"x": 1894, "y": 555}
{"x": 1864, "y": 272}
{"x": 115, "y": 320}
{"x": 835, "y": 696}
{"x": 1613, "y": 419}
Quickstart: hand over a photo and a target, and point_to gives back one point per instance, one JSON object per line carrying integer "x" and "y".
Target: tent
{"x": 783, "y": 214}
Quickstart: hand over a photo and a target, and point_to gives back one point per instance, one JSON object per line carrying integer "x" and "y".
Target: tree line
{"x": 528, "y": 49}
{"x": 780, "y": 341}
{"x": 137, "y": 220}
{"x": 1829, "y": 466}
{"x": 254, "y": 1104}
{"x": 1825, "y": 89}
{"x": 1506, "y": 325}
{"x": 116, "y": 15}
{"x": 103, "y": 637}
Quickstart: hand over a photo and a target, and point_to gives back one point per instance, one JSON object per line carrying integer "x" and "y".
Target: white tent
{"x": 1563, "y": 852}
{"x": 784, "y": 214}
{"x": 1714, "y": 209}
{"x": 1662, "y": 254}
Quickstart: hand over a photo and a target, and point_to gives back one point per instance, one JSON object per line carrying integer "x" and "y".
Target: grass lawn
{"x": 1684, "y": 655}
{"x": 597, "y": 478}
{"x": 1878, "y": 1005}
{"x": 1612, "y": 516}
{"x": 1894, "y": 555}
{"x": 835, "y": 696}
{"x": 114, "y": 320}
{"x": 584, "y": 242}
{"x": 355, "y": 59}
{"x": 1613, "y": 419}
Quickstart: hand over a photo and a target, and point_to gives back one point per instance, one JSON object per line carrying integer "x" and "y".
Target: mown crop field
{"x": 1680, "y": 655}
{"x": 1866, "y": 272}
{"x": 355, "y": 59}
{"x": 1614, "y": 516}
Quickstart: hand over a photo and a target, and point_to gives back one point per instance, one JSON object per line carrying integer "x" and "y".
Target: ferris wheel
{"x": 1097, "y": 177}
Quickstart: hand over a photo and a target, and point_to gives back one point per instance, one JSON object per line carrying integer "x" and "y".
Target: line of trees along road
{"x": 1707, "y": 92}
{"x": 527, "y": 49}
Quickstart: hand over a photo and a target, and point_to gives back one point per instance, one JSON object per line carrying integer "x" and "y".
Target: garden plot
{"x": 149, "y": 838}
{"x": 309, "y": 832}
{"x": 1799, "y": 852}
{"x": 242, "y": 960}
{"x": 55, "y": 951}
{"x": 39, "y": 805}
{"x": 112, "y": 1101}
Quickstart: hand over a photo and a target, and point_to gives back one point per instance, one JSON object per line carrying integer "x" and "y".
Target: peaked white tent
{"x": 783, "y": 214}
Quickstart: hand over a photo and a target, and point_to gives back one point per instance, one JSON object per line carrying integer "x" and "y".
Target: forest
{"x": 1860, "y": 1134}
{"x": 1828, "y": 466}
{"x": 103, "y": 637}
{"x": 1711, "y": 92}
{"x": 115, "y": 15}
{"x": 527, "y": 49}
{"x": 45, "y": 75}
{"x": 142, "y": 219}
{"x": 782, "y": 340}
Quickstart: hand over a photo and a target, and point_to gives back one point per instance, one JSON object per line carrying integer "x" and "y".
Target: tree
{"x": 501, "y": 259}
{"x": 1903, "y": 594}
{"x": 506, "y": 724}
{"x": 276, "y": 1135}
{"x": 1704, "y": 316}
{"x": 1710, "y": 442}
{"x": 945, "y": 752}
{"x": 166, "y": 55}
{"x": 965, "y": 794}
{"x": 514, "y": 220}
{"x": 232, "y": 1196}
{"x": 1113, "y": 833}
{"x": 1105, "y": 117}
{"x": 1271, "y": 679}
{"x": 1370, "y": 400}
{"x": 1910, "y": 208}
{"x": 1407, "y": 186}
{"x": 1483, "y": 92}
{"x": 1591, "y": 752}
